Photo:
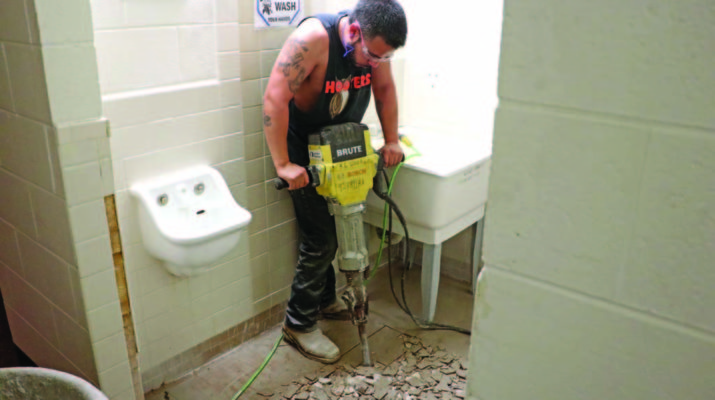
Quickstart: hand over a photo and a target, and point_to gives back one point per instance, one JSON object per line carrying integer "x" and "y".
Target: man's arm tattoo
{"x": 294, "y": 62}
{"x": 267, "y": 120}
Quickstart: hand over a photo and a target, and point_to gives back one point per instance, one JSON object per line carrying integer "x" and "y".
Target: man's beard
{"x": 351, "y": 57}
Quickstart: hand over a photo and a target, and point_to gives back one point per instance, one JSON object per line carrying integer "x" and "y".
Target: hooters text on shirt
{"x": 341, "y": 86}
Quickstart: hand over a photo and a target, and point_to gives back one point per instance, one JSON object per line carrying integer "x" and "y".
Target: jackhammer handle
{"x": 381, "y": 161}
{"x": 313, "y": 177}
{"x": 280, "y": 183}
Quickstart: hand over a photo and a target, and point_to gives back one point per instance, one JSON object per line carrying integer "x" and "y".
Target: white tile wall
{"x": 108, "y": 14}
{"x": 74, "y": 26}
{"x": 9, "y": 248}
{"x": 38, "y": 348}
{"x": 229, "y": 65}
{"x": 250, "y": 65}
{"x": 24, "y": 149}
{"x": 148, "y": 106}
{"x": 53, "y": 224}
{"x": 227, "y": 37}
{"x": 125, "y": 66}
{"x": 99, "y": 289}
{"x": 36, "y": 310}
{"x": 104, "y": 321}
{"x": 227, "y": 11}
{"x": 89, "y": 220}
{"x": 72, "y": 82}
{"x": 49, "y": 274}
{"x": 74, "y": 341}
{"x": 42, "y": 85}
{"x": 116, "y": 380}
{"x": 27, "y": 76}
{"x": 86, "y": 181}
{"x": 140, "y": 13}
{"x": 110, "y": 352}
{"x": 207, "y": 152}
{"x": 6, "y": 100}
{"x": 15, "y": 22}
{"x": 197, "y": 55}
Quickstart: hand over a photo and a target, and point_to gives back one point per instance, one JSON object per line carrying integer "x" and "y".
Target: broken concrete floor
{"x": 410, "y": 363}
{"x": 419, "y": 372}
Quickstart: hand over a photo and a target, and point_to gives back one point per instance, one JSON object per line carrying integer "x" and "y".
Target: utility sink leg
{"x": 430, "y": 279}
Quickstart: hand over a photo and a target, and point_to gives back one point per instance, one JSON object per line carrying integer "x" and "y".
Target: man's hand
{"x": 392, "y": 154}
{"x": 295, "y": 175}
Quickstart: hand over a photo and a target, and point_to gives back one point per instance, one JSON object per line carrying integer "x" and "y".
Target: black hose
{"x": 419, "y": 322}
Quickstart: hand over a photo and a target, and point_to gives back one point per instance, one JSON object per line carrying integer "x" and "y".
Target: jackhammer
{"x": 343, "y": 166}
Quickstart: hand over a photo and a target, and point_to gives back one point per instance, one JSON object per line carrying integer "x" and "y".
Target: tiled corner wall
{"x": 600, "y": 233}
{"x": 55, "y": 261}
{"x": 189, "y": 97}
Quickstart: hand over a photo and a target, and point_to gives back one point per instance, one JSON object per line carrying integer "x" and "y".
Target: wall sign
{"x": 270, "y": 13}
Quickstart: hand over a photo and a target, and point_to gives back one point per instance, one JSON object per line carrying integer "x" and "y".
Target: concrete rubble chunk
{"x": 462, "y": 373}
{"x": 436, "y": 375}
{"x": 291, "y": 390}
{"x": 365, "y": 371}
{"x": 425, "y": 363}
{"x": 382, "y": 386}
{"x": 301, "y": 396}
{"x": 448, "y": 370}
{"x": 337, "y": 390}
{"x": 391, "y": 370}
{"x": 460, "y": 393}
{"x": 428, "y": 396}
{"x": 320, "y": 395}
{"x": 443, "y": 385}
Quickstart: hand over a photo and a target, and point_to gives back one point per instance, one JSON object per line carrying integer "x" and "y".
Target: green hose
{"x": 384, "y": 215}
{"x": 260, "y": 369}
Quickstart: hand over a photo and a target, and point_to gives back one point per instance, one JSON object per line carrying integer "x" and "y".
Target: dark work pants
{"x": 314, "y": 282}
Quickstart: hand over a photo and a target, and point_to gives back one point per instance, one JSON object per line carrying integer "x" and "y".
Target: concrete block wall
{"x": 600, "y": 230}
{"x": 55, "y": 262}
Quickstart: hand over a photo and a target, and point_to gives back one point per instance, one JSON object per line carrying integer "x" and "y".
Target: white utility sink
{"x": 440, "y": 192}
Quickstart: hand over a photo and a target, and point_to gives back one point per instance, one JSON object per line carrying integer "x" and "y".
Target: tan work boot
{"x": 313, "y": 345}
{"x": 337, "y": 310}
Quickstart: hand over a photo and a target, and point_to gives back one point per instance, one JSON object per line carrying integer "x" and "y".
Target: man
{"x": 323, "y": 76}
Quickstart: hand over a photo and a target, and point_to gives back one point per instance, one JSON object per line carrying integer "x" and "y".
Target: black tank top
{"x": 344, "y": 97}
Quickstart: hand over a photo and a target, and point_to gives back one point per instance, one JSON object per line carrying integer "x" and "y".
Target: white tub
{"x": 442, "y": 191}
